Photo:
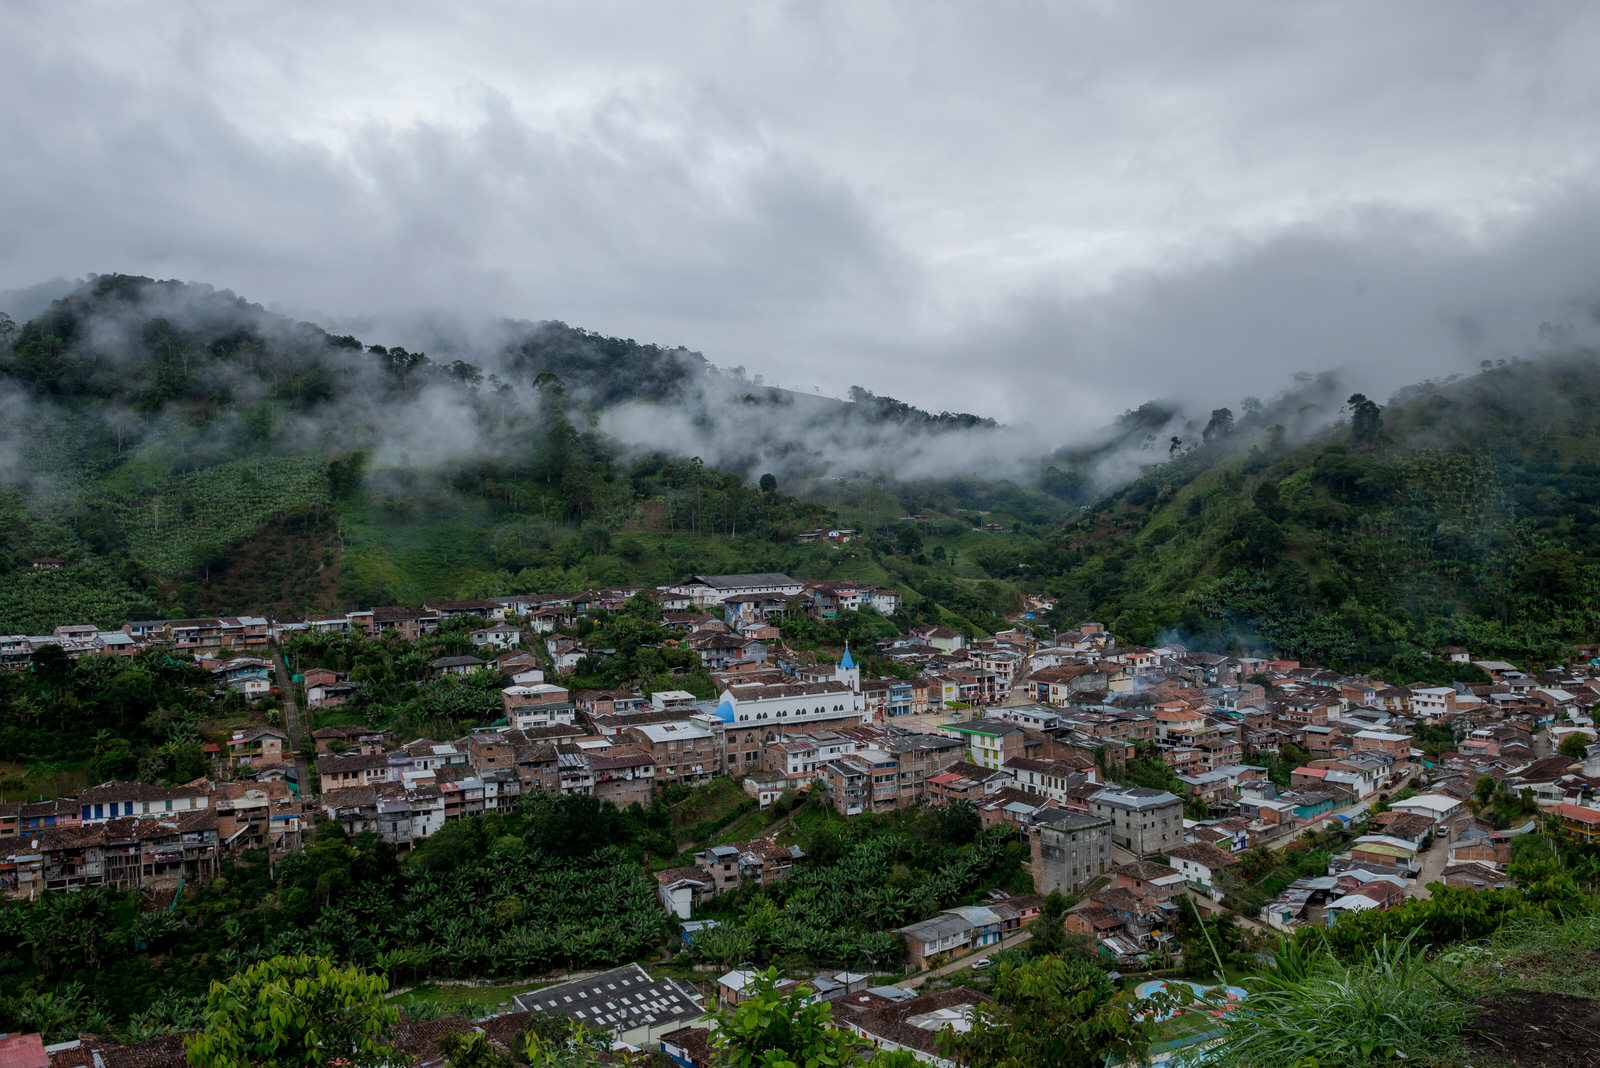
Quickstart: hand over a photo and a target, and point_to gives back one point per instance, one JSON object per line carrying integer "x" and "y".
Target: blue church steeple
{"x": 847, "y": 672}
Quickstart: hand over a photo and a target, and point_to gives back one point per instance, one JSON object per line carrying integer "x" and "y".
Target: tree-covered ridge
{"x": 152, "y": 345}
{"x": 1462, "y": 514}
{"x": 185, "y": 452}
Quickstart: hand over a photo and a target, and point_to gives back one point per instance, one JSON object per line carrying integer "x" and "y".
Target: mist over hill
{"x": 1461, "y": 513}
{"x": 183, "y": 450}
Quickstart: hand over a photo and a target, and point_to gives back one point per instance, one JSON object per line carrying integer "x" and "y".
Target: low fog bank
{"x": 430, "y": 391}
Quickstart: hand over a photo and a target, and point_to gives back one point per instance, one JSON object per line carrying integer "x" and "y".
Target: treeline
{"x": 888, "y": 409}
{"x": 863, "y": 878}
{"x": 558, "y": 884}
{"x": 118, "y": 718}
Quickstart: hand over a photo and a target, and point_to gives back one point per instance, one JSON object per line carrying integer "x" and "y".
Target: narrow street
{"x": 1434, "y": 861}
{"x": 291, "y": 723}
{"x": 1011, "y": 941}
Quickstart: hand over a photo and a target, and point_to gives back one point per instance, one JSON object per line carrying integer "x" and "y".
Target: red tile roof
{"x": 23, "y": 1051}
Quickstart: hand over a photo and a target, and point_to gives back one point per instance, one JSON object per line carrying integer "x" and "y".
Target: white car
{"x": 981, "y": 963}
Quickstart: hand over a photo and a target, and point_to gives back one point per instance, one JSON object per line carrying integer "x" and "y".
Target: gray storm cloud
{"x": 1042, "y": 213}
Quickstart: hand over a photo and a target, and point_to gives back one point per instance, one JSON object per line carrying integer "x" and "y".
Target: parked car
{"x": 981, "y": 963}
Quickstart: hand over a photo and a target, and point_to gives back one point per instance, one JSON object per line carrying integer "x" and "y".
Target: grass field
{"x": 752, "y": 824}
{"x": 471, "y": 1001}
{"x": 19, "y": 783}
{"x": 714, "y": 802}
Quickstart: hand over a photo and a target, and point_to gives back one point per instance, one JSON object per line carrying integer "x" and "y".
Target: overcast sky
{"x": 1040, "y": 211}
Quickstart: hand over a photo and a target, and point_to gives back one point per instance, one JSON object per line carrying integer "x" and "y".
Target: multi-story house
{"x": 683, "y": 752}
{"x": 623, "y": 775}
{"x": 337, "y": 772}
{"x": 537, "y": 704}
{"x": 849, "y": 785}
{"x": 992, "y": 742}
{"x": 1049, "y": 778}
{"x": 1070, "y": 850}
{"x": 112, "y": 800}
{"x": 800, "y": 757}
{"x": 919, "y": 758}
{"x": 1143, "y": 821}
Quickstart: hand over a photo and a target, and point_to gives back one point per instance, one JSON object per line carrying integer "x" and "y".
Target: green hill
{"x": 1461, "y": 514}
{"x": 184, "y": 451}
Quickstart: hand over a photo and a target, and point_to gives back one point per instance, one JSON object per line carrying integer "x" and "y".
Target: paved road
{"x": 964, "y": 963}
{"x": 291, "y": 723}
{"x": 1434, "y": 862}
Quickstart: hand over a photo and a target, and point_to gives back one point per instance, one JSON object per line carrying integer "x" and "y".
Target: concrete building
{"x": 683, "y": 752}
{"x": 1143, "y": 821}
{"x": 1070, "y": 850}
{"x": 991, "y": 741}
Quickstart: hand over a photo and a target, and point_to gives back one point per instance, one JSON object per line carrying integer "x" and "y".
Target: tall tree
{"x": 473, "y": 1050}
{"x": 300, "y": 1011}
{"x": 1055, "y": 1012}
{"x": 1048, "y": 934}
{"x": 1365, "y": 419}
{"x": 773, "y": 1029}
{"x": 1575, "y": 746}
{"x": 1220, "y": 426}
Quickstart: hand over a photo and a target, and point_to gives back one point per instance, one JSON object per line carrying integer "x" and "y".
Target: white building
{"x": 499, "y": 636}
{"x": 705, "y": 590}
{"x": 530, "y": 716}
{"x": 793, "y": 705}
{"x": 1433, "y": 700}
{"x": 1436, "y": 807}
{"x": 804, "y": 756}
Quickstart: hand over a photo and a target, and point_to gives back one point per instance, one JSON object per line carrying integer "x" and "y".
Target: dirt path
{"x": 1212, "y": 908}
{"x": 291, "y": 723}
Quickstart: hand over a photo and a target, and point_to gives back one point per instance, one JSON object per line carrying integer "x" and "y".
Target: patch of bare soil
{"x": 1534, "y": 1030}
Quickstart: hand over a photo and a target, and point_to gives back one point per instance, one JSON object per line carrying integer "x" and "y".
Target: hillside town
{"x": 1138, "y": 779}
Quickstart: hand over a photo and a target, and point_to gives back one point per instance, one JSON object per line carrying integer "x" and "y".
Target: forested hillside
{"x": 1462, "y": 513}
{"x": 182, "y": 451}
